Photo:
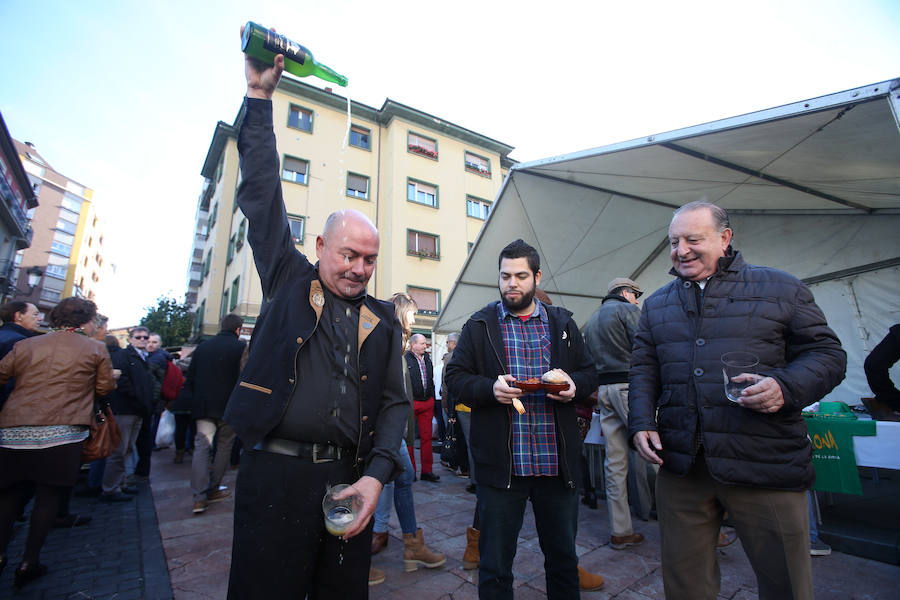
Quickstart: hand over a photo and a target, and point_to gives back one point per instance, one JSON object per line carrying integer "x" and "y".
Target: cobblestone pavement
{"x": 118, "y": 555}
{"x": 130, "y": 551}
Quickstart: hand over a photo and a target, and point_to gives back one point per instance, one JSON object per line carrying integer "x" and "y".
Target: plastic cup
{"x": 340, "y": 514}
{"x": 739, "y": 370}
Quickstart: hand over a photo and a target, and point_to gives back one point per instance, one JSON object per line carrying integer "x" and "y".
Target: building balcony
{"x": 11, "y": 202}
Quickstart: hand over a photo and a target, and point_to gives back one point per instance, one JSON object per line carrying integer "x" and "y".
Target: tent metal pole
{"x": 882, "y": 264}
{"x": 753, "y": 172}
{"x": 600, "y": 189}
{"x": 650, "y": 258}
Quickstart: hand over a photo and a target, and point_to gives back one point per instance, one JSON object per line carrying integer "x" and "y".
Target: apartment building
{"x": 68, "y": 238}
{"x": 426, "y": 183}
{"x": 16, "y": 199}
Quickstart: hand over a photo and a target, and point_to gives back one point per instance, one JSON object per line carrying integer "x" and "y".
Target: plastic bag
{"x": 165, "y": 433}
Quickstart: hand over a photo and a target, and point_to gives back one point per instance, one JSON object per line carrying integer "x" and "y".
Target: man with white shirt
{"x": 131, "y": 403}
{"x": 421, "y": 374}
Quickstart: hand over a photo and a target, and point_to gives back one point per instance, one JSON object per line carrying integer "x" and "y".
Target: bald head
{"x": 347, "y": 250}
{"x": 418, "y": 344}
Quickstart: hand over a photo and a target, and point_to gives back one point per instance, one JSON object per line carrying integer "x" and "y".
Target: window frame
{"x": 368, "y": 133}
{"x": 420, "y": 311}
{"x": 473, "y": 167}
{"x": 302, "y": 220}
{"x": 241, "y": 234}
{"x": 412, "y": 180}
{"x": 225, "y": 301}
{"x": 423, "y": 253}
{"x": 421, "y": 150}
{"x": 305, "y": 181}
{"x": 368, "y": 186}
{"x": 213, "y": 216}
{"x": 301, "y": 108}
{"x": 487, "y": 203}
{"x": 230, "y": 255}
{"x": 235, "y": 292}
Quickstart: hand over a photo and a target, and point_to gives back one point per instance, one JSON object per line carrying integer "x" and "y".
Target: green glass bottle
{"x": 263, "y": 44}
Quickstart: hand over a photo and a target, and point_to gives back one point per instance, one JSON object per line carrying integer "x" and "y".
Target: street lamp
{"x": 35, "y": 274}
{"x": 34, "y": 277}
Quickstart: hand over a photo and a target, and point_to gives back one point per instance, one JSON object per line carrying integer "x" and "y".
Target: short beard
{"x": 523, "y": 303}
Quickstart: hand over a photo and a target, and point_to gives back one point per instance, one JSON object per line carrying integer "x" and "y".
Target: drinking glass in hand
{"x": 339, "y": 514}
{"x": 739, "y": 371}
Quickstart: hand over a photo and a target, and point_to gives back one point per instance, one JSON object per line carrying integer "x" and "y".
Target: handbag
{"x": 448, "y": 451}
{"x": 105, "y": 435}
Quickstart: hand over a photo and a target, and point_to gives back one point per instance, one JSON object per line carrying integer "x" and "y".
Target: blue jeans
{"x": 95, "y": 475}
{"x": 813, "y": 526}
{"x": 465, "y": 421}
{"x": 556, "y": 518}
{"x": 399, "y": 493}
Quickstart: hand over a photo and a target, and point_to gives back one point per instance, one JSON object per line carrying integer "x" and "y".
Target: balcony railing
{"x": 10, "y": 200}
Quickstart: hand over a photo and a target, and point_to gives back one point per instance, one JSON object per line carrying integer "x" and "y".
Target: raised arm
{"x": 259, "y": 195}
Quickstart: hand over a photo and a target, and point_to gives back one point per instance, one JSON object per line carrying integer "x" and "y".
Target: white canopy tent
{"x": 812, "y": 188}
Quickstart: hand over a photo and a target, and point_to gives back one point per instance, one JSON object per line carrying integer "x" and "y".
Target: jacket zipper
{"x": 698, "y": 441}
{"x": 487, "y": 331}
{"x": 562, "y": 437}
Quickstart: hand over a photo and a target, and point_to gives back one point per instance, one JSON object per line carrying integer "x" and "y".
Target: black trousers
{"x": 280, "y": 548}
{"x": 144, "y": 445}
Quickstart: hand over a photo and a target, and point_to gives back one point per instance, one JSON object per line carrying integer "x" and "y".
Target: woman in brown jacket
{"x": 45, "y": 421}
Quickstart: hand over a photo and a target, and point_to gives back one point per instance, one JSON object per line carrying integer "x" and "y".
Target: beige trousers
{"x": 613, "y": 399}
{"x": 773, "y": 527}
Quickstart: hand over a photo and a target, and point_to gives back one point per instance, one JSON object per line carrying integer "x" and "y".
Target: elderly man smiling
{"x": 751, "y": 456}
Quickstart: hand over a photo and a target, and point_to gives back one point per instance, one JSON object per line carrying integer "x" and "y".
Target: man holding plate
{"x": 751, "y": 456}
{"x": 530, "y": 452}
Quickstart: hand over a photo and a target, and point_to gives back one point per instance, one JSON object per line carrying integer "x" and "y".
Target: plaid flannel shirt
{"x": 527, "y": 346}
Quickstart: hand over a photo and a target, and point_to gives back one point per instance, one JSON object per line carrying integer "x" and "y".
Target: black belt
{"x": 318, "y": 452}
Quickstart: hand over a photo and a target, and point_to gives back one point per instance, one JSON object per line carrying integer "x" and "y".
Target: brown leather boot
{"x": 417, "y": 553}
{"x": 375, "y": 576}
{"x": 471, "y": 557}
{"x": 379, "y": 541}
{"x": 589, "y": 582}
{"x": 179, "y": 457}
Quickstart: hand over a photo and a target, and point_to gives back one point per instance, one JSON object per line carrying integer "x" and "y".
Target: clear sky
{"x": 124, "y": 96}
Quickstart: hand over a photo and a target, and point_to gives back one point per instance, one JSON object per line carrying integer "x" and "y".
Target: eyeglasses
{"x": 141, "y": 337}
{"x": 636, "y": 293}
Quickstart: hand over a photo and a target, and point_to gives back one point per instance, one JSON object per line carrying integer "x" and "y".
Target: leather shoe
{"x": 28, "y": 572}
{"x": 379, "y": 541}
{"x": 127, "y": 489}
{"x": 620, "y": 542}
{"x": 430, "y": 477}
{"x": 590, "y": 500}
{"x": 70, "y": 520}
{"x": 471, "y": 488}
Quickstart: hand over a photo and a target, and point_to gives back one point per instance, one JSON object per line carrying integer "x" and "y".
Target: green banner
{"x": 833, "y": 455}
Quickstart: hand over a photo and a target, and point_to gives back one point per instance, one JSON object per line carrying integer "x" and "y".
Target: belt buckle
{"x": 315, "y": 454}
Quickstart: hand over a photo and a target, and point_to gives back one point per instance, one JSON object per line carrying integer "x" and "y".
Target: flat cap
{"x": 623, "y": 282}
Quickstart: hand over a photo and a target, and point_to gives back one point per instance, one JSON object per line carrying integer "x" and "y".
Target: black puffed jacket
{"x": 677, "y": 383}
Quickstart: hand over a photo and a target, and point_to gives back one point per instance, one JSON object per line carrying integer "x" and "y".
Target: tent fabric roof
{"x": 818, "y": 167}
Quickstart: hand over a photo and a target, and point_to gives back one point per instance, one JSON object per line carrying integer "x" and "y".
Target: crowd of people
{"x": 334, "y": 386}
